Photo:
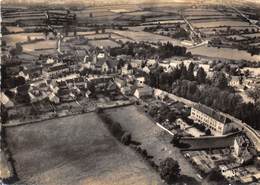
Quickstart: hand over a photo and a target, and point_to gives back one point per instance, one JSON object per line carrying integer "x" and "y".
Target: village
{"x": 188, "y": 99}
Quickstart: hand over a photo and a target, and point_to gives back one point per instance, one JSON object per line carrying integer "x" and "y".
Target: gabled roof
{"x": 57, "y": 67}
{"x": 101, "y": 55}
{"x": 6, "y": 101}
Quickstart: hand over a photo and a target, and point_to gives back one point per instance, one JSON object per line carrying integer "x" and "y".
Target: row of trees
{"x": 164, "y": 80}
{"x": 143, "y": 50}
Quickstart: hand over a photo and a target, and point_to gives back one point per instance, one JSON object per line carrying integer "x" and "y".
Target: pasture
{"x": 45, "y": 44}
{"x": 75, "y": 150}
{"x": 105, "y": 43}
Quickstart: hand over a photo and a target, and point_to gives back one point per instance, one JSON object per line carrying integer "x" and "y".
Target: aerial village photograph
{"x": 130, "y": 92}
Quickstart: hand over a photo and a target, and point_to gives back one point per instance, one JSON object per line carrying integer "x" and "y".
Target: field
{"x": 153, "y": 138}
{"x": 208, "y": 24}
{"x": 12, "y": 39}
{"x": 105, "y": 43}
{"x": 46, "y": 44}
{"x": 226, "y": 53}
{"x": 75, "y": 150}
{"x": 204, "y": 12}
{"x": 141, "y": 36}
{"x": 14, "y": 29}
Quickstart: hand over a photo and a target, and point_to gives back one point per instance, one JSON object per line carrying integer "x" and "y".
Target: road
{"x": 253, "y": 22}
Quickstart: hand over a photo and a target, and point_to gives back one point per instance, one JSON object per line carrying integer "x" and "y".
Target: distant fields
{"x": 11, "y": 39}
{"x": 75, "y": 150}
{"x": 207, "y": 24}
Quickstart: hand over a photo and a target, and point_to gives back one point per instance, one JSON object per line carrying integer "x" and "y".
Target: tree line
{"x": 144, "y": 50}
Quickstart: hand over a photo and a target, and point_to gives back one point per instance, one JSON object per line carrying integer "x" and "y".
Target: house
{"x": 56, "y": 70}
{"x": 210, "y": 118}
{"x": 101, "y": 55}
{"x": 111, "y": 86}
{"x": 126, "y": 90}
{"x": 120, "y": 83}
{"x": 251, "y": 82}
{"x": 54, "y": 86}
{"x": 124, "y": 57}
{"x": 36, "y": 94}
{"x": 86, "y": 59}
{"x": 65, "y": 95}
{"x": 241, "y": 146}
{"x": 81, "y": 55}
{"x": 151, "y": 62}
{"x": 166, "y": 67}
{"x": 22, "y": 95}
{"x": 79, "y": 82}
{"x": 5, "y": 101}
{"x": 129, "y": 79}
{"x": 140, "y": 81}
{"x": 127, "y": 70}
{"x": 31, "y": 72}
{"x": 71, "y": 63}
{"x": 145, "y": 91}
{"x": 50, "y": 61}
{"x": 146, "y": 70}
{"x": 235, "y": 81}
{"x": 100, "y": 84}
{"x": 53, "y": 98}
{"x": 136, "y": 63}
{"x": 106, "y": 66}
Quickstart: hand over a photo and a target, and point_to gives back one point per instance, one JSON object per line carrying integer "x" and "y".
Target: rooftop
{"x": 212, "y": 113}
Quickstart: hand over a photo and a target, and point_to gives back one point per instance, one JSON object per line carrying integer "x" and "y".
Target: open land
{"x": 74, "y": 150}
{"x": 151, "y": 137}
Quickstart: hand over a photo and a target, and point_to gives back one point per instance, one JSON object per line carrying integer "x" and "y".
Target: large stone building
{"x": 211, "y": 119}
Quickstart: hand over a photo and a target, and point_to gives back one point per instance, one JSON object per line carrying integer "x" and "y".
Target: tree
{"x": 169, "y": 170}
{"x": 190, "y": 74}
{"x": 103, "y": 30}
{"x": 208, "y": 132}
{"x": 220, "y": 80}
{"x": 201, "y": 75}
{"x": 19, "y": 47}
{"x": 152, "y": 111}
{"x": 176, "y": 140}
{"x": 97, "y": 30}
{"x": 3, "y": 43}
{"x": 4, "y": 114}
{"x": 246, "y": 73}
{"x": 117, "y": 130}
{"x": 126, "y": 138}
{"x": 254, "y": 93}
{"x": 216, "y": 178}
{"x": 183, "y": 70}
{"x": 171, "y": 116}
